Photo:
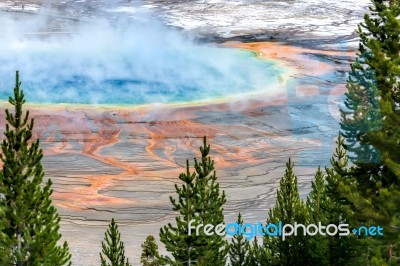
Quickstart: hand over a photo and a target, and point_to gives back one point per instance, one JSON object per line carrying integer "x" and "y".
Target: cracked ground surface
{"x": 123, "y": 162}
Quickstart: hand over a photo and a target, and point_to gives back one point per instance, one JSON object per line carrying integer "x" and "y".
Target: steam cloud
{"x": 124, "y": 61}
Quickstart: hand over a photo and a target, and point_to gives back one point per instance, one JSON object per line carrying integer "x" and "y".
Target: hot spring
{"x": 129, "y": 63}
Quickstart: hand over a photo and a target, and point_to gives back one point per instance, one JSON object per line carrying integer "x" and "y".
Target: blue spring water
{"x": 245, "y": 74}
{"x": 131, "y": 65}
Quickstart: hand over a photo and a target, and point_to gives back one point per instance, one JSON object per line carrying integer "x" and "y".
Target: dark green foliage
{"x": 239, "y": 248}
{"x": 317, "y": 200}
{"x": 29, "y": 222}
{"x": 326, "y": 205}
{"x": 362, "y": 113}
{"x": 6, "y": 254}
{"x": 184, "y": 247}
{"x": 335, "y": 177}
{"x": 258, "y": 256}
{"x": 373, "y": 188}
{"x": 199, "y": 199}
{"x": 288, "y": 209}
{"x": 340, "y": 250}
{"x": 150, "y": 254}
{"x": 317, "y": 207}
{"x": 373, "y": 82}
{"x": 113, "y": 248}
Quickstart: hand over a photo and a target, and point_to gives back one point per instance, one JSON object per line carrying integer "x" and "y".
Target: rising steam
{"x": 124, "y": 61}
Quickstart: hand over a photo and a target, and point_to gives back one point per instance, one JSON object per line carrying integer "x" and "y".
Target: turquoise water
{"x": 129, "y": 65}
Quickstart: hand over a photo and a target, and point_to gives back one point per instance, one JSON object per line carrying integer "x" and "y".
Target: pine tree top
{"x": 199, "y": 199}
{"x": 30, "y": 222}
{"x": 239, "y": 250}
{"x": 113, "y": 248}
{"x": 150, "y": 254}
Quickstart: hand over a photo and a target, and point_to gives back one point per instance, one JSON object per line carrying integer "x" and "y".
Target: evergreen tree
{"x": 239, "y": 248}
{"x": 199, "y": 199}
{"x": 258, "y": 256}
{"x": 316, "y": 200}
{"x": 373, "y": 188}
{"x": 317, "y": 207}
{"x": 362, "y": 113}
{"x": 150, "y": 254}
{"x": 176, "y": 238}
{"x": 288, "y": 209}
{"x": 340, "y": 250}
{"x": 113, "y": 248}
{"x": 29, "y": 222}
{"x": 6, "y": 256}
